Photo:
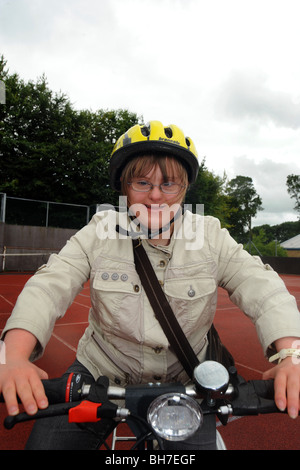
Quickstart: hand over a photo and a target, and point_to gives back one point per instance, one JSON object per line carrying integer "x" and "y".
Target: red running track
{"x": 268, "y": 432}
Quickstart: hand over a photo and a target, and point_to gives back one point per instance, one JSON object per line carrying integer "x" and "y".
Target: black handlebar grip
{"x": 66, "y": 388}
{"x": 63, "y": 389}
{"x": 264, "y": 388}
{"x": 55, "y": 390}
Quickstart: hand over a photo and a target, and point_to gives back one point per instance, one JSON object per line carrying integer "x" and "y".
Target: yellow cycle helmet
{"x": 153, "y": 138}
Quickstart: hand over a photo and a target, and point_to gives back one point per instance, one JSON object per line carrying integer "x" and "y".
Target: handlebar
{"x": 85, "y": 400}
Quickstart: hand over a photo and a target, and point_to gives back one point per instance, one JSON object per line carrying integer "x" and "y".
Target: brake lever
{"x": 53, "y": 410}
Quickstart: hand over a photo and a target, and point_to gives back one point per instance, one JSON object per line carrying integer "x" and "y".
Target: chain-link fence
{"x": 19, "y": 211}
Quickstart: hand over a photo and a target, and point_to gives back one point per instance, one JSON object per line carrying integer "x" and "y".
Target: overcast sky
{"x": 226, "y": 72}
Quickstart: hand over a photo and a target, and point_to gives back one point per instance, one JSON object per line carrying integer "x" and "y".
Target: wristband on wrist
{"x": 283, "y": 353}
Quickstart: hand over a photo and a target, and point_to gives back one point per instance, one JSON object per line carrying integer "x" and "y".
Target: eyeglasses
{"x": 169, "y": 187}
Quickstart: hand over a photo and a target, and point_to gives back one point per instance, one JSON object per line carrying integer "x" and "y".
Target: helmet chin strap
{"x": 145, "y": 232}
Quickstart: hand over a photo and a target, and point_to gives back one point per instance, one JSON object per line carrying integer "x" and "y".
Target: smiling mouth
{"x": 156, "y": 207}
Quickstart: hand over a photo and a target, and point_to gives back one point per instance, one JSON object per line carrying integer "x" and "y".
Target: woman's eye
{"x": 142, "y": 183}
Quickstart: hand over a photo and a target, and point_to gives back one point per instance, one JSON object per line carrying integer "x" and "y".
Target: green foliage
{"x": 281, "y": 232}
{"x": 262, "y": 246}
{"x": 208, "y": 190}
{"x": 244, "y": 202}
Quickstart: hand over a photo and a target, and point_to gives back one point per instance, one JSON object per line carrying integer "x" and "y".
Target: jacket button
{"x": 115, "y": 276}
{"x": 191, "y": 292}
{"x": 157, "y": 350}
{"x": 162, "y": 264}
{"x": 105, "y": 276}
{"x": 136, "y": 288}
{"x": 124, "y": 277}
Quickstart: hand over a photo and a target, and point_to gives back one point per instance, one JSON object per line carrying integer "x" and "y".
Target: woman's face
{"x": 155, "y": 209}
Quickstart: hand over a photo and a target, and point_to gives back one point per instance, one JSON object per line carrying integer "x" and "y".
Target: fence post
{"x": 3, "y": 208}
{"x": 3, "y": 261}
{"x": 47, "y": 214}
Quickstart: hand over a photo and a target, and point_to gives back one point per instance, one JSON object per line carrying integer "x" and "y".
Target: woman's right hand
{"x": 23, "y": 379}
{"x": 19, "y": 377}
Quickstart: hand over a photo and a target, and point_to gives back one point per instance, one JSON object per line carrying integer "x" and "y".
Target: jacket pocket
{"x": 193, "y": 300}
{"x": 116, "y": 297}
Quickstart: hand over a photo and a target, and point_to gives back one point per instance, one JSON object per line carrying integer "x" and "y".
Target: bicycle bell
{"x": 211, "y": 376}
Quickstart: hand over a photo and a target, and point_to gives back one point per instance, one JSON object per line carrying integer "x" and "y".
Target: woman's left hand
{"x": 286, "y": 377}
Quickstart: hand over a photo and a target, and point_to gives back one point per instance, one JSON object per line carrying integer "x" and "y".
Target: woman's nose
{"x": 155, "y": 193}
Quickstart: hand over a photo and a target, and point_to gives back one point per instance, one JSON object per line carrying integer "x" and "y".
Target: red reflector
{"x": 86, "y": 412}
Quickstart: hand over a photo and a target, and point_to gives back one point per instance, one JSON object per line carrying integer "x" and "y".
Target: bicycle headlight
{"x": 175, "y": 416}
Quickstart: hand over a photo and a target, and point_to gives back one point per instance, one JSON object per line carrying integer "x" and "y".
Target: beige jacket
{"x": 124, "y": 340}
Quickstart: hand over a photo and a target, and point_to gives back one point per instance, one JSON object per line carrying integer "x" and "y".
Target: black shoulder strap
{"x": 163, "y": 311}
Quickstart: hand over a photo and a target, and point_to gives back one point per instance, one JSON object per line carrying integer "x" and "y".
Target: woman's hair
{"x": 138, "y": 167}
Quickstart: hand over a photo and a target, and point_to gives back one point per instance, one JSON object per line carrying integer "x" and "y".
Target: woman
{"x": 152, "y": 166}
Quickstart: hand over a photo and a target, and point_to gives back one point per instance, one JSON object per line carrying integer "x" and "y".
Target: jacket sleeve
{"x": 255, "y": 288}
{"x": 51, "y": 290}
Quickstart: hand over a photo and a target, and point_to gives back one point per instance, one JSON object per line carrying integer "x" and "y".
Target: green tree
{"x": 293, "y": 185}
{"x": 280, "y": 232}
{"x": 261, "y": 245}
{"x": 245, "y": 203}
{"x": 208, "y": 190}
{"x": 31, "y": 125}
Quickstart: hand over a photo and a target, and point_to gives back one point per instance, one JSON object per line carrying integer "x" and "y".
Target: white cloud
{"x": 269, "y": 179}
{"x": 248, "y": 96}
